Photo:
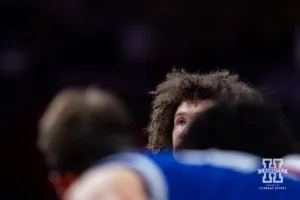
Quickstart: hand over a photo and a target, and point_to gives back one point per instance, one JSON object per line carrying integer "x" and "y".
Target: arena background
{"x": 128, "y": 46}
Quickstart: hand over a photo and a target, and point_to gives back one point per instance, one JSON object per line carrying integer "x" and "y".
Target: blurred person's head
{"x": 182, "y": 95}
{"x": 253, "y": 128}
{"x": 79, "y": 127}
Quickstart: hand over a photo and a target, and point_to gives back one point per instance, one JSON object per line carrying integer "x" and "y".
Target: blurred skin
{"x": 185, "y": 113}
{"x": 107, "y": 183}
{"x": 61, "y": 181}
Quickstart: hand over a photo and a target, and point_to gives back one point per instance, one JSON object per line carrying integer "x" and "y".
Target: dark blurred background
{"x": 128, "y": 46}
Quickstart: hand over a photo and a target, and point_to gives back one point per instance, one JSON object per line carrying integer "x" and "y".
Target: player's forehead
{"x": 193, "y": 106}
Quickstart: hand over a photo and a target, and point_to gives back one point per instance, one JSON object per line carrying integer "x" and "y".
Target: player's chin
{"x": 176, "y": 145}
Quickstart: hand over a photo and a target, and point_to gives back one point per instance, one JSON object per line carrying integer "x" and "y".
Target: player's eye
{"x": 181, "y": 121}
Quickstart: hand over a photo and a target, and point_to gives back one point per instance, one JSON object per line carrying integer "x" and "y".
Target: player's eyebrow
{"x": 180, "y": 114}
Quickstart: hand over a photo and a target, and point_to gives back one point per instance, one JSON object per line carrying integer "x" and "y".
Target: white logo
{"x": 272, "y": 170}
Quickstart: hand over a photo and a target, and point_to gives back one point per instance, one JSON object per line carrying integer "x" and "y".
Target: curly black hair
{"x": 180, "y": 86}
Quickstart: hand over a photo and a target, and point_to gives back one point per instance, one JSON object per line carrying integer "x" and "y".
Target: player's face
{"x": 185, "y": 113}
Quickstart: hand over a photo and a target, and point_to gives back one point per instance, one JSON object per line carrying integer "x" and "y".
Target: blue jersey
{"x": 209, "y": 175}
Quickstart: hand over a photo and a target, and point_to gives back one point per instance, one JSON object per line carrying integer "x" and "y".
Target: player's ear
{"x": 61, "y": 181}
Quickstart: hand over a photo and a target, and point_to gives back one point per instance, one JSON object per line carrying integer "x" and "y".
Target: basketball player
{"x": 182, "y": 95}
{"x": 233, "y": 139}
{"x": 79, "y": 127}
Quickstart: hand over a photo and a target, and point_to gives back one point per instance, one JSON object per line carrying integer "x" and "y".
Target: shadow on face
{"x": 185, "y": 113}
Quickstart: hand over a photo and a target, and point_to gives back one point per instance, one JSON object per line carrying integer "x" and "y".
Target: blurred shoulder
{"x": 292, "y": 163}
